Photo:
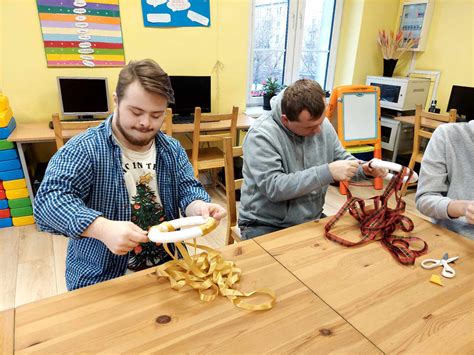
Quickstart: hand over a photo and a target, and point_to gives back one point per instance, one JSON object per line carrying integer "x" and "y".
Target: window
{"x": 293, "y": 39}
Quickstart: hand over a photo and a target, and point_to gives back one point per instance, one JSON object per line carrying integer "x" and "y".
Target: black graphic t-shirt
{"x": 147, "y": 210}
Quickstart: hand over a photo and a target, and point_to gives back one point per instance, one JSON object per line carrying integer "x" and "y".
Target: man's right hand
{"x": 119, "y": 236}
{"x": 343, "y": 170}
{"x": 469, "y": 212}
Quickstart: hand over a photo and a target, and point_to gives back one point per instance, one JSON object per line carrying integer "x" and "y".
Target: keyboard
{"x": 183, "y": 119}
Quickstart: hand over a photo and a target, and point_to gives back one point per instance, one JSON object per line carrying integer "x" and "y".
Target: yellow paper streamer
{"x": 436, "y": 280}
{"x": 210, "y": 274}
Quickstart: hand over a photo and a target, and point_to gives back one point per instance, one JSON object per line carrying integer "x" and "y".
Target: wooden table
{"x": 39, "y": 132}
{"x": 394, "y": 306}
{"x": 404, "y": 121}
{"x": 243, "y": 122}
{"x": 425, "y": 121}
{"x": 329, "y": 298}
{"x": 120, "y": 316}
{"x": 7, "y": 325}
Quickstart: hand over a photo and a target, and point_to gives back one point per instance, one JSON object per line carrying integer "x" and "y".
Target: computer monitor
{"x": 191, "y": 92}
{"x": 83, "y": 97}
{"x": 462, "y": 99}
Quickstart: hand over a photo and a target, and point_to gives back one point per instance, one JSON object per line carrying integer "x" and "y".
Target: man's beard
{"x": 132, "y": 140}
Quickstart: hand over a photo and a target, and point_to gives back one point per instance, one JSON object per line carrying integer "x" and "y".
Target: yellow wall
{"x": 449, "y": 48}
{"x": 348, "y": 41}
{"x": 31, "y": 86}
{"x": 358, "y": 53}
{"x": 377, "y": 15}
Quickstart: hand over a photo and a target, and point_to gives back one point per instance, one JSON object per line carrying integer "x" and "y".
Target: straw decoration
{"x": 393, "y": 45}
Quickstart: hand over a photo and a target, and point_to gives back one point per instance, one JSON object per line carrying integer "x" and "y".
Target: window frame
{"x": 294, "y": 42}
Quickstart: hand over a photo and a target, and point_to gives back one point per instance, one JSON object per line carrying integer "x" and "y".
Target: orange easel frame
{"x": 336, "y": 104}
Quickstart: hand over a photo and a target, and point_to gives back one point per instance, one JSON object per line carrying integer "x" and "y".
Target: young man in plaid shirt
{"x": 108, "y": 185}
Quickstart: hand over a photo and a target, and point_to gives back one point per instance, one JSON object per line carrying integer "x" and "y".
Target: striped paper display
{"x": 80, "y": 33}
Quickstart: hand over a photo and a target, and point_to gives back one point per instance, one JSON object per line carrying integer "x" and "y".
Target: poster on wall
{"x": 80, "y": 33}
{"x": 176, "y": 13}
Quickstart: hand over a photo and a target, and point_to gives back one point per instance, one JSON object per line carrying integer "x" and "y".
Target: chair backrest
{"x": 231, "y": 185}
{"x": 77, "y": 127}
{"x": 229, "y": 129}
{"x": 73, "y": 128}
{"x": 424, "y": 123}
{"x": 169, "y": 122}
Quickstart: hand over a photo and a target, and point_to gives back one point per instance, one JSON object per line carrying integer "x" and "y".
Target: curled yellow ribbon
{"x": 210, "y": 274}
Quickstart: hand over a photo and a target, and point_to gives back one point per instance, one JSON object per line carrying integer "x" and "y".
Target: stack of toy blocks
{"x": 15, "y": 205}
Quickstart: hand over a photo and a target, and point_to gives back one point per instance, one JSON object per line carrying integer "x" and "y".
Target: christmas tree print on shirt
{"x": 147, "y": 211}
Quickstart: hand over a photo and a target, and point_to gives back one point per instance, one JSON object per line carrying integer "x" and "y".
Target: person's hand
{"x": 205, "y": 209}
{"x": 343, "y": 170}
{"x": 469, "y": 212}
{"x": 118, "y": 236}
{"x": 374, "y": 172}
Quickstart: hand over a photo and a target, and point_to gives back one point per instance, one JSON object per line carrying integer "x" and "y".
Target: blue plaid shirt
{"x": 85, "y": 180}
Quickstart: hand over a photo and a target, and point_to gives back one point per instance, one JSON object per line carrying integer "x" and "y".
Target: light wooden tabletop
{"x": 426, "y": 122}
{"x": 40, "y": 131}
{"x": 120, "y": 316}
{"x": 394, "y": 306}
{"x": 243, "y": 122}
{"x": 7, "y": 323}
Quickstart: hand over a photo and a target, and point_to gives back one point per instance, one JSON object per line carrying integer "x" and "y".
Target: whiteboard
{"x": 359, "y": 116}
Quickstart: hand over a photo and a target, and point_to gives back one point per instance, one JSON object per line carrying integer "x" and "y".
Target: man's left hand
{"x": 205, "y": 209}
{"x": 374, "y": 172}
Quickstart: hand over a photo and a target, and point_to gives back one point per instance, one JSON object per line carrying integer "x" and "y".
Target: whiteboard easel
{"x": 360, "y": 116}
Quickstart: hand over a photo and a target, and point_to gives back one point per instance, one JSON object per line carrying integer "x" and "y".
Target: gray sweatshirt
{"x": 286, "y": 176}
{"x": 447, "y": 173}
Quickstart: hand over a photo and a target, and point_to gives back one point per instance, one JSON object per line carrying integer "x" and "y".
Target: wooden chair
{"x": 169, "y": 122}
{"x": 424, "y": 121}
{"x": 231, "y": 185}
{"x": 205, "y": 158}
{"x": 75, "y": 127}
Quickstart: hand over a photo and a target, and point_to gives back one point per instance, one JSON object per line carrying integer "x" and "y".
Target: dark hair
{"x": 303, "y": 94}
{"x": 150, "y": 76}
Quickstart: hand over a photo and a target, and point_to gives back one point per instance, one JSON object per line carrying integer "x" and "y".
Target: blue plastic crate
{"x": 11, "y": 175}
{"x": 8, "y": 154}
{"x": 5, "y": 131}
{"x": 7, "y": 165}
{"x": 5, "y": 222}
{"x": 3, "y": 204}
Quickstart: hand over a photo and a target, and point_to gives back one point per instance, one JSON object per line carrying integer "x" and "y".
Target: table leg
{"x": 397, "y": 143}
{"x": 24, "y": 166}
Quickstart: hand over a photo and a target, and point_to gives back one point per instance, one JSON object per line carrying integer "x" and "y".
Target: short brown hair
{"x": 303, "y": 94}
{"x": 150, "y": 76}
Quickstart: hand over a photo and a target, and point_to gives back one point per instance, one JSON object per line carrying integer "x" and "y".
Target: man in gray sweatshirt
{"x": 445, "y": 189}
{"x": 291, "y": 155}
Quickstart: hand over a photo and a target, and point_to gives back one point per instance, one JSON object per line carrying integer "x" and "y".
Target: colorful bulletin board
{"x": 80, "y": 33}
{"x": 176, "y": 13}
